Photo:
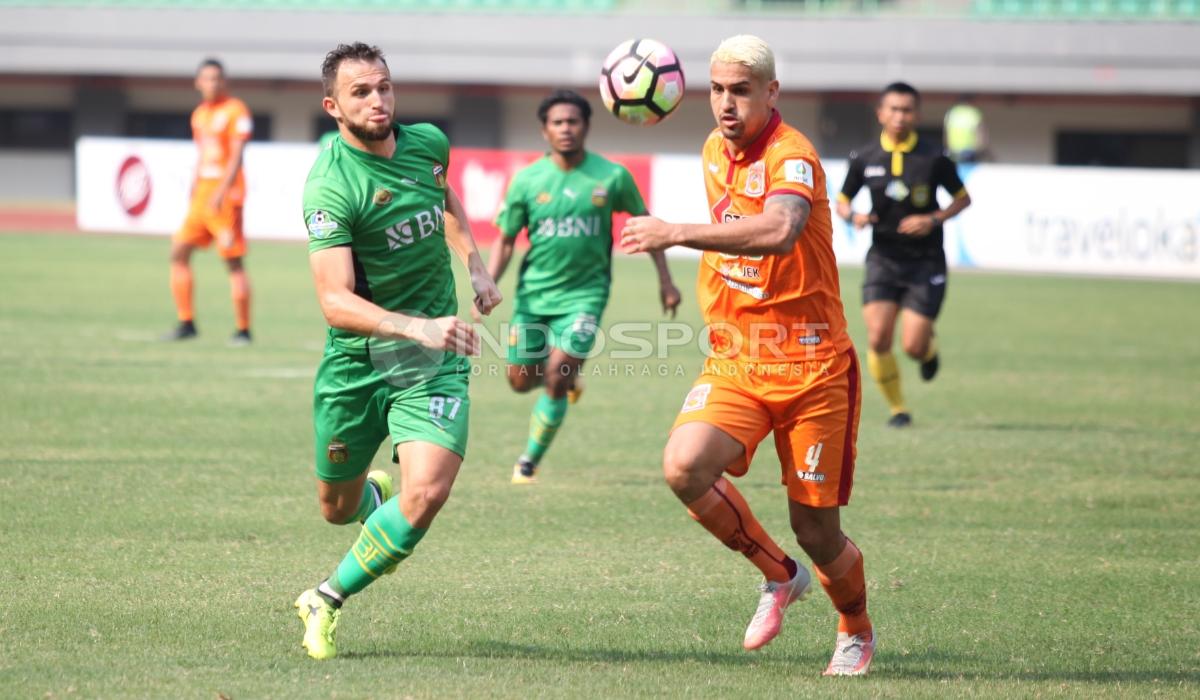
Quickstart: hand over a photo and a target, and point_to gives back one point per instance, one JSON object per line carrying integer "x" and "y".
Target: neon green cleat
{"x": 524, "y": 472}
{"x": 576, "y": 391}
{"x": 384, "y": 481}
{"x": 320, "y": 623}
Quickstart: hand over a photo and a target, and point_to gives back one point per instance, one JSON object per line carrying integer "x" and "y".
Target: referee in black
{"x": 906, "y": 265}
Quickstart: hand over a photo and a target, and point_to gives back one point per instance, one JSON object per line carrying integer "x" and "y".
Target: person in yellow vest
{"x": 966, "y": 137}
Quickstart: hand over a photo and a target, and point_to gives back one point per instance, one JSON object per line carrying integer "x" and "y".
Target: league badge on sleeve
{"x": 320, "y": 224}
{"x": 439, "y": 175}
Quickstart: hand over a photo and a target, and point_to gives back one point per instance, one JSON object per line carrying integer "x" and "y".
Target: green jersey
{"x": 569, "y": 218}
{"x": 390, "y": 212}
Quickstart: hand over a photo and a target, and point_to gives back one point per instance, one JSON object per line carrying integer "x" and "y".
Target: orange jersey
{"x": 216, "y": 128}
{"x": 771, "y": 308}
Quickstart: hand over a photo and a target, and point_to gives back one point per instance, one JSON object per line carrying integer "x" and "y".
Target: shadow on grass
{"x": 933, "y": 666}
{"x": 491, "y": 649}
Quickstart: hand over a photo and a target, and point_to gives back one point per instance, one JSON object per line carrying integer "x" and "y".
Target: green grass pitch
{"x": 1036, "y": 533}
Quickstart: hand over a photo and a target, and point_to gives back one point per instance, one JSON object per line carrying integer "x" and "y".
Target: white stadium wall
{"x": 1120, "y": 222}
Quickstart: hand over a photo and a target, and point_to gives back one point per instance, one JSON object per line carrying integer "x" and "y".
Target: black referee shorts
{"x": 913, "y": 283}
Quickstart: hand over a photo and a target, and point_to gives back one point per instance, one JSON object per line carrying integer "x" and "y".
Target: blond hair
{"x": 750, "y": 51}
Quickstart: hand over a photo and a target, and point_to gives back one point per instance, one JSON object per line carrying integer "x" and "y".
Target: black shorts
{"x": 913, "y": 283}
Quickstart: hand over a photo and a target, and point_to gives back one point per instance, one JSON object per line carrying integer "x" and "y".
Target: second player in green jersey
{"x": 566, "y": 202}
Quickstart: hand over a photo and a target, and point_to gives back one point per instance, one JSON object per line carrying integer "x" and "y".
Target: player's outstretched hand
{"x": 448, "y": 333}
{"x": 861, "y": 221}
{"x": 487, "y": 294}
{"x": 643, "y": 234}
{"x": 670, "y": 296}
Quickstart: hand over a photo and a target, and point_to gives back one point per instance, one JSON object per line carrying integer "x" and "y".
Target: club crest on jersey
{"x": 599, "y": 197}
{"x": 382, "y": 197}
{"x": 920, "y": 195}
{"x": 756, "y": 179}
{"x": 320, "y": 224}
{"x": 439, "y": 174}
{"x": 542, "y": 198}
{"x": 337, "y": 452}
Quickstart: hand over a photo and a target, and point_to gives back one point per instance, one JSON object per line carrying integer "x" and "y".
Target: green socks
{"x": 543, "y": 425}
{"x": 386, "y": 539}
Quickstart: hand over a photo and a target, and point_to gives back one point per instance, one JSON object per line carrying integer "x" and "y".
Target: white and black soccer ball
{"x": 641, "y": 82}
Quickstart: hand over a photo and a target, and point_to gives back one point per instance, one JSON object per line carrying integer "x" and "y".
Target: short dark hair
{"x": 564, "y": 97}
{"x": 357, "y": 51}
{"x": 900, "y": 88}
{"x": 211, "y": 63}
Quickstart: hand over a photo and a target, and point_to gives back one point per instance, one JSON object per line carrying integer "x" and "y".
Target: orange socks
{"x": 846, "y": 585}
{"x": 723, "y": 512}
{"x": 181, "y": 289}
{"x": 239, "y": 290}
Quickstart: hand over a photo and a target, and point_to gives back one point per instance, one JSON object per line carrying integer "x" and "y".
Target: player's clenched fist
{"x": 487, "y": 295}
{"x": 448, "y": 333}
{"x": 643, "y": 234}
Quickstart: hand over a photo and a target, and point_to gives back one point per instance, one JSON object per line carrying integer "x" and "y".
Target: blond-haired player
{"x": 782, "y": 361}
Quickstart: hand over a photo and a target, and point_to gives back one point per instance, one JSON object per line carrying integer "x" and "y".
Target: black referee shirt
{"x": 903, "y": 179}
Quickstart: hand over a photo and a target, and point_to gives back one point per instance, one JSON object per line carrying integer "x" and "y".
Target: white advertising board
{"x": 1122, "y": 222}
{"x": 143, "y": 185}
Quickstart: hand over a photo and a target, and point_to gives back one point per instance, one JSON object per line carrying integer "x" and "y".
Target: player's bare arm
{"x": 236, "y": 154}
{"x": 502, "y": 252}
{"x": 922, "y": 224}
{"x": 771, "y": 232}
{"x": 333, "y": 275}
{"x": 668, "y": 293}
{"x": 460, "y": 240}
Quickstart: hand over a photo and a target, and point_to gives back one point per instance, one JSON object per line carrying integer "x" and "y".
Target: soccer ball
{"x": 641, "y": 82}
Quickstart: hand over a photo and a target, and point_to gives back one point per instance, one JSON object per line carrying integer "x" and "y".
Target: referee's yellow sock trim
{"x": 886, "y": 374}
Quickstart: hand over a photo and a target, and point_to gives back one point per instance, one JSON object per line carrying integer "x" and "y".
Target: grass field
{"x": 1037, "y": 532}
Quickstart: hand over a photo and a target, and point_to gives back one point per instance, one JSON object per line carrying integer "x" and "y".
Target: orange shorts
{"x": 205, "y": 225}
{"x": 811, "y": 406}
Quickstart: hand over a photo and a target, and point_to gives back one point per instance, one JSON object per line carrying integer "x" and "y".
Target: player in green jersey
{"x": 566, "y": 201}
{"x": 382, "y": 222}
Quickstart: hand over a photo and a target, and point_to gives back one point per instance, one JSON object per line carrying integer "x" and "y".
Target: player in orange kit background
{"x": 781, "y": 359}
{"x": 221, "y": 126}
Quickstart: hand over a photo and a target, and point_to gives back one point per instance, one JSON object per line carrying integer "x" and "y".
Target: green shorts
{"x": 531, "y": 336}
{"x": 355, "y": 407}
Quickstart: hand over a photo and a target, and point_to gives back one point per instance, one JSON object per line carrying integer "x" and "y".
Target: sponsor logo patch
{"x": 798, "y": 171}
{"x": 897, "y": 190}
{"x": 874, "y": 171}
